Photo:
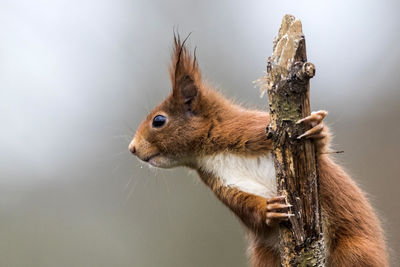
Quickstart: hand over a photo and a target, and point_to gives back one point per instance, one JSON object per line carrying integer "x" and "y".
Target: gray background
{"x": 77, "y": 77}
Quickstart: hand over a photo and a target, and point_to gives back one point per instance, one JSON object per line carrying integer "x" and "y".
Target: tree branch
{"x": 287, "y": 84}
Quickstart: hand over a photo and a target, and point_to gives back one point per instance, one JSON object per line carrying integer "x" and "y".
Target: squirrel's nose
{"x": 132, "y": 148}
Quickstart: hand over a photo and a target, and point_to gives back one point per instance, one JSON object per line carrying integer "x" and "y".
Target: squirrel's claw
{"x": 315, "y": 118}
{"x": 277, "y": 210}
{"x": 317, "y": 130}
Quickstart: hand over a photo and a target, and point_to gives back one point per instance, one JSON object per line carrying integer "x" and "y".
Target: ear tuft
{"x": 184, "y": 72}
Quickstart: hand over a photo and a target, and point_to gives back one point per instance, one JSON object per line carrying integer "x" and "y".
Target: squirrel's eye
{"x": 159, "y": 121}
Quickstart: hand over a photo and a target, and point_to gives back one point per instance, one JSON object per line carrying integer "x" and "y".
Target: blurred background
{"x": 77, "y": 77}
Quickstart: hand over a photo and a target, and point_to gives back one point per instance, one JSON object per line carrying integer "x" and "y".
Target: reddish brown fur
{"x": 202, "y": 122}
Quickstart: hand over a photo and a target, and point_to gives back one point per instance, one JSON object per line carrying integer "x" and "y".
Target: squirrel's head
{"x": 195, "y": 121}
{"x": 173, "y": 132}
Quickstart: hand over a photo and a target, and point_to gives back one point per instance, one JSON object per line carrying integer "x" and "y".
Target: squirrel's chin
{"x": 162, "y": 162}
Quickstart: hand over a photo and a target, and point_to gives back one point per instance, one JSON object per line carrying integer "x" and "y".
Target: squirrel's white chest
{"x": 255, "y": 175}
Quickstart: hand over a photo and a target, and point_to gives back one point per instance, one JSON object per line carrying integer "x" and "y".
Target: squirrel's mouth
{"x": 157, "y": 160}
{"x": 160, "y": 161}
{"x": 147, "y": 159}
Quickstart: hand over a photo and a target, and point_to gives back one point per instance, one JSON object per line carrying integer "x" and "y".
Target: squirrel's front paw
{"x": 319, "y": 132}
{"x": 277, "y": 210}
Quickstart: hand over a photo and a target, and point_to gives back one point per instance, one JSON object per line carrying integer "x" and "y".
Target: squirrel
{"x": 198, "y": 128}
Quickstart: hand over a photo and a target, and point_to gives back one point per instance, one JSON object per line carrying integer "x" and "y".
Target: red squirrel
{"x": 226, "y": 144}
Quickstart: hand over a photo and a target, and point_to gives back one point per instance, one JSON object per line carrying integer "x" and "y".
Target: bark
{"x": 287, "y": 84}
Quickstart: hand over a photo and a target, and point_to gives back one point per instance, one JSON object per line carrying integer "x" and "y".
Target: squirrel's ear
{"x": 185, "y": 75}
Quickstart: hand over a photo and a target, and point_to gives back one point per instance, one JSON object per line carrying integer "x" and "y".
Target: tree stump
{"x": 287, "y": 84}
